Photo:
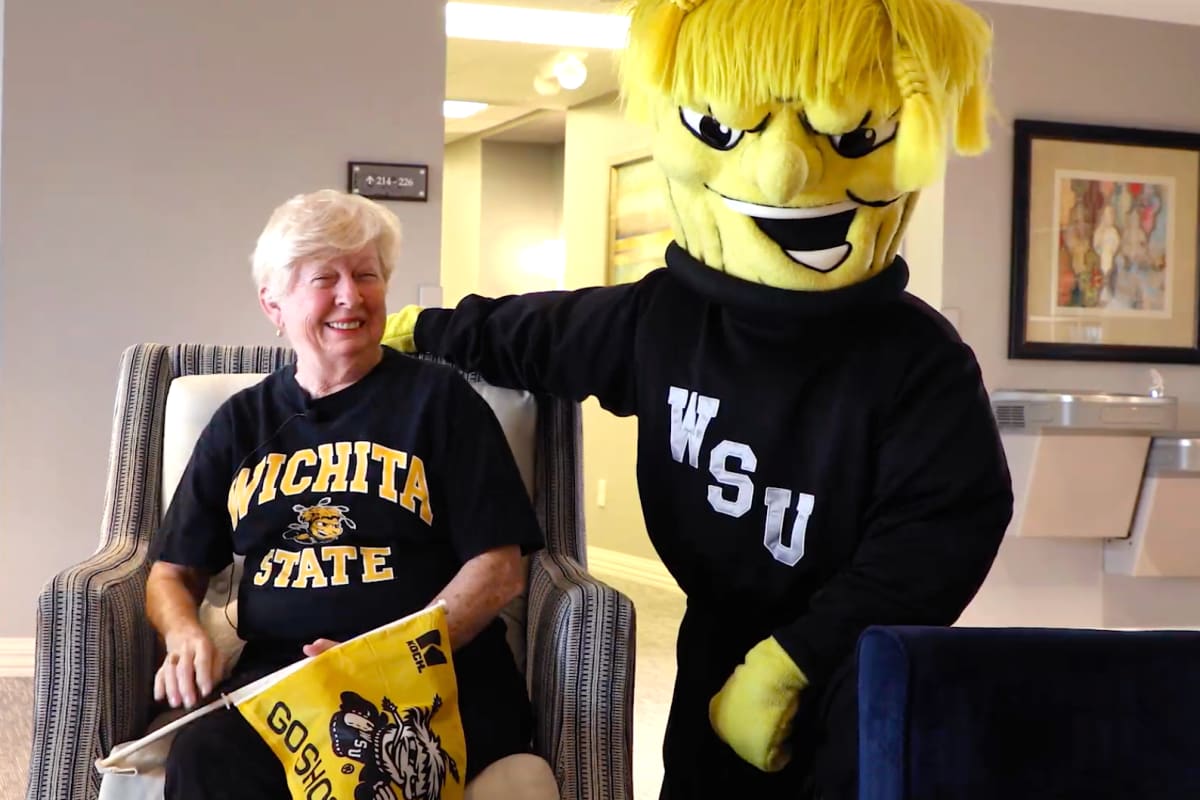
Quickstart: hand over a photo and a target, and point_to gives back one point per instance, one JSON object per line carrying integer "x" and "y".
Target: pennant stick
{"x": 122, "y": 752}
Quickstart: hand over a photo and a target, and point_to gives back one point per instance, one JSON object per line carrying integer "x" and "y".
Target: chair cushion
{"x": 191, "y": 402}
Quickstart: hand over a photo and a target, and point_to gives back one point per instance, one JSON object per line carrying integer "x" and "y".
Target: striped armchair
{"x": 96, "y": 654}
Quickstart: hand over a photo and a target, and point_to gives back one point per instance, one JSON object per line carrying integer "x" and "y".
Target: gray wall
{"x": 1073, "y": 68}
{"x": 144, "y": 145}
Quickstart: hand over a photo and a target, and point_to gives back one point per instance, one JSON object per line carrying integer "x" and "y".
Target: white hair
{"x": 325, "y": 224}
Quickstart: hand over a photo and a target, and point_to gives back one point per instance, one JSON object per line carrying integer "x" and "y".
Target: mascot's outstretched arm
{"x": 569, "y": 344}
{"x": 398, "y": 332}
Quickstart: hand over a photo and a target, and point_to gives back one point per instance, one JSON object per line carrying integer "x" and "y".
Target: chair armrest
{"x": 94, "y": 671}
{"x": 581, "y": 660}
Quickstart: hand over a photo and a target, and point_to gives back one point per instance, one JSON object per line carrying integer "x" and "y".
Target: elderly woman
{"x": 408, "y": 495}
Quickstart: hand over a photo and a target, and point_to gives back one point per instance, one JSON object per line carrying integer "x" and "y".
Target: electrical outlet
{"x": 601, "y": 492}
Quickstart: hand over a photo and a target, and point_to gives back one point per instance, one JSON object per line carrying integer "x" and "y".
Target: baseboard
{"x": 646, "y": 571}
{"x": 16, "y": 657}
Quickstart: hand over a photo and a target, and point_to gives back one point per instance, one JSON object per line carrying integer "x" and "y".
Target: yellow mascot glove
{"x": 399, "y": 329}
{"x": 753, "y": 711}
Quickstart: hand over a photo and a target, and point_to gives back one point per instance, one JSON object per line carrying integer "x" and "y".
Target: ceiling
{"x": 501, "y": 74}
{"x": 1181, "y": 11}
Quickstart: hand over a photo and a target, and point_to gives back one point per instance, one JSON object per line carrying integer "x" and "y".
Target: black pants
{"x": 697, "y": 764}
{"x": 220, "y": 757}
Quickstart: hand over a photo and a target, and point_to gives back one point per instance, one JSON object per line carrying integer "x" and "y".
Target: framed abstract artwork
{"x": 1106, "y": 223}
{"x": 639, "y": 228}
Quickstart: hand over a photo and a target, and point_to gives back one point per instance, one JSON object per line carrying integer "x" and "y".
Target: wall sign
{"x": 388, "y": 181}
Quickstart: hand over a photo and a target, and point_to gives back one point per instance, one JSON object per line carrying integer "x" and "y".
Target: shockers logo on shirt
{"x": 319, "y": 523}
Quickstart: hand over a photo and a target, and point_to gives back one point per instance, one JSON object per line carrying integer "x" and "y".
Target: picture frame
{"x": 1105, "y": 244}
{"x": 639, "y": 225}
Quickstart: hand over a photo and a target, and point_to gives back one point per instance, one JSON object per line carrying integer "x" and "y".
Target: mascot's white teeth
{"x": 825, "y": 260}
{"x": 813, "y": 237}
{"x": 779, "y": 212}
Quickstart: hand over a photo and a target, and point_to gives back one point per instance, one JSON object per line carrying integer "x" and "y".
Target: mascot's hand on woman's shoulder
{"x": 753, "y": 711}
{"x": 399, "y": 330}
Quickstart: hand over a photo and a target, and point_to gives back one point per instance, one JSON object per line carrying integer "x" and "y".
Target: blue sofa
{"x": 1028, "y": 714}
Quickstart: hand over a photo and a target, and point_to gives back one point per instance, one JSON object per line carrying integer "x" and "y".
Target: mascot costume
{"x": 816, "y": 450}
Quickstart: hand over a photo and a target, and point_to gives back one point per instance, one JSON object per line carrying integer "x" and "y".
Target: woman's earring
{"x": 278, "y": 332}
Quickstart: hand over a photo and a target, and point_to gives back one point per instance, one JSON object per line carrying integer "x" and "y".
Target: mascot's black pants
{"x": 697, "y": 764}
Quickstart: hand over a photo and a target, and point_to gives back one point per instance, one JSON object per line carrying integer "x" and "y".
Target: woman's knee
{"x": 523, "y": 776}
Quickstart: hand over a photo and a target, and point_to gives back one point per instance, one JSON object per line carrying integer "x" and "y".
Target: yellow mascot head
{"x": 795, "y": 134}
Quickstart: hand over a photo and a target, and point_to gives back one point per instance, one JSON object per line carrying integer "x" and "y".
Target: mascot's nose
{"x": 783, "y": 170}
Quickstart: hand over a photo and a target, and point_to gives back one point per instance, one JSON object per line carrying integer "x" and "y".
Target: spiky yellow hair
{"x": 929, "y": 59}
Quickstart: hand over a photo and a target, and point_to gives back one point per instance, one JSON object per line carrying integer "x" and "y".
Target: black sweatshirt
{"x": 809, "y": 462}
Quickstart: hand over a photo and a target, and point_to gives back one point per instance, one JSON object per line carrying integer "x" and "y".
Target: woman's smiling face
{"x": 333, "y": 310}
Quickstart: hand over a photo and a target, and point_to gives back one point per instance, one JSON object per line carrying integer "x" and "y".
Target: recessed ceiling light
{"x": 461, "y": 109}
{"x": 571, "y": 72}
{"x": 536, "y": 26}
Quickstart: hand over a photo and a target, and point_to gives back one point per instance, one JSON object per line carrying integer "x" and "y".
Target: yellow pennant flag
{"x": 374, "y": 717}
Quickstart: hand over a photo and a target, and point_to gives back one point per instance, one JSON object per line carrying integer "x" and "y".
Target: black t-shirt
{"x": 353, "y": 509}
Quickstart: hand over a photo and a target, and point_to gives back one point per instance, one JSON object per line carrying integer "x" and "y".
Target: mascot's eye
{"x": 864, "y": 139}
{"x": 708, "y": 130}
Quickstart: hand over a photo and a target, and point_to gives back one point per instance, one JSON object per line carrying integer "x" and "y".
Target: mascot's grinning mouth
{"x": 812, "y": 237}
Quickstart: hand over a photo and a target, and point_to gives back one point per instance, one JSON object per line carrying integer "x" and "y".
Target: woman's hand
{"x": 319, "y": 646}
{"x": 190, "y": 668}
{"x": 192, "y": 664}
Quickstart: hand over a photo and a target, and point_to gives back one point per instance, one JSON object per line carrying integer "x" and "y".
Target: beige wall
{"x": 526, "y": 194}
{"x": 502, "y": 200}
{"x": 462, "y": 214}
{"x": 923, "y": 246}
{"x": 522, "y": 209}
{"x": 598, "y": 136}
{"x": 1073, "y": 68}
{"x": 144, "y": 145}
